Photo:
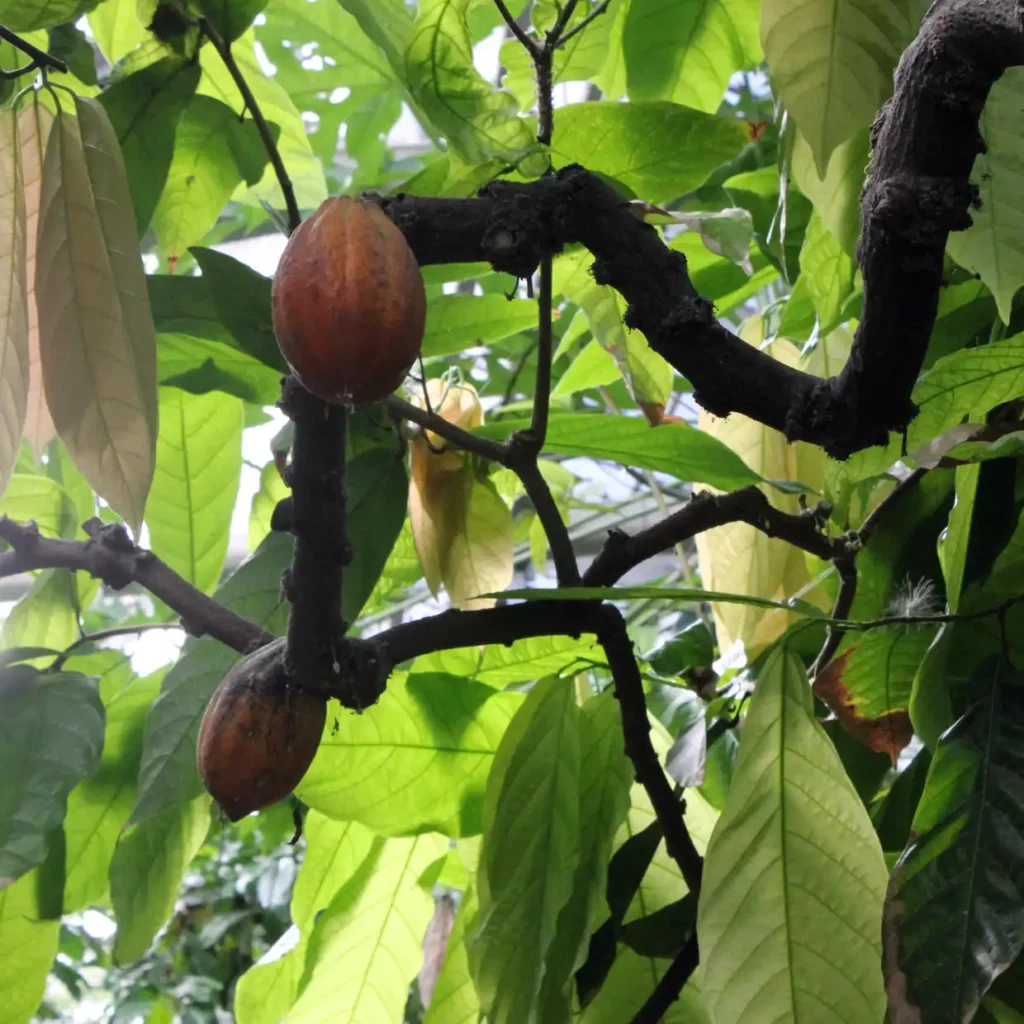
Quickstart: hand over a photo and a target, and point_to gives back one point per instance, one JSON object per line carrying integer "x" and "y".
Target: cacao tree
{"x": 512, "y": 511}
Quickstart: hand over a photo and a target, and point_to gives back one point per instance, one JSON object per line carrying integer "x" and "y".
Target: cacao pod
{"x": 348, "y": 302}
{"x": 259, "y": 734}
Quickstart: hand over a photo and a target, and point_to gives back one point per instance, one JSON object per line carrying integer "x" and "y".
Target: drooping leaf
{"x": 52, "y": 738}
{"x": 100, "y": 805}
{"x": 534, "y": 791}
{"x": 953, "y": 910}
{"x": 34, "y": 121}
{"x": 994, "y": 246}
{"x": 28, "y": 944}
{"x": 794, "y": 853}
{"x": 416, "y": 761}
{"x": 97, "y": 340}
{"x": 832, "y": 63}
{"x": 14, "y": 352}
{"x": 167, "y": 774}
{"x": 687, "y": 52}
{"x": 367, "y": 945}
{"x": 630, "y": 142}
{"x": 213, "y": 152}
{"x": 198, "y": 466}
{"x": 146, "y": 873}
{"x": 145, "y": 108}
{"x": 479, "y": 121}
{"x": 673, "y": 448}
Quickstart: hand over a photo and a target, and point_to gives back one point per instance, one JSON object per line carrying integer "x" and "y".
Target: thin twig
{"x": 482, "y": 446}
{"x": 847, "y": 569}
{"x": 510, "y": 388}
{"x": 40, "y": 58}
{"x": 107, "y": 634}
{"x": 274, "y": 154}
{"x": 881, "y": 510}
{"x": 516, "y": 29}
{"x": 577, "y": 29}
{"x": 553, "y": 37}
{"x": 667, "y": 991}
{"x": 566, "y": 568}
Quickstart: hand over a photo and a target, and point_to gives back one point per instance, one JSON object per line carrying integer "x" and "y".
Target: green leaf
{"x": 241, "y": 298}
{"x": 951, "y": 918}
{"x": 827, "y": 272}
{"x": 99, "y": 806}
{"x": 144, "y": 108}
{"x": 457, "y": 322}
{"x": 479, "y": 121}
{"x": 25, "y": 15}
{"x": 592, "y": 368}
{"x": 205, "y": 172}
{"x": 687, "y": 52}
{"x": 41, "y": 500}
{"x": 659, "y": 150}
{"x": 954, "y": 540}
{"x": 267, "y": 990}
{"x": 606, "y": 778}
{"x": 530, "y": 852}
{"x": 97, "y": 340}
{"x": 231, "y": 17}
{"x": 674, "y": 448}
{"x": 146, "y": 873}
{"x": 994, "y": 246}
{"x": 377, "y": 492}
{"x": 52, "y": 738}
{"x": 14, "y": 352}
{"x": 167, "y": 774}
{"x": 416, "y": 761}
{"x": 116, "y": 27}
{"x": 832, "y": 64}
{"x": 272, "y": 489}
{"x": 45, "y": 616}
{"x": 28, "y": 945}
{"x": 304, "y": 167}
{"x": 794, "y": 855}
{"x": 367, "y": 944}
{"x": 198, "y": 466}
{"x": 964, "y": 385}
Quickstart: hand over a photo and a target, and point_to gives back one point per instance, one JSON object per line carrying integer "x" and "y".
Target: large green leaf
{"x": 167, "y": 775}
{"x": 606, "y": 776}
{"x": 144, "y": 108}
{"x": 28, "y": 945}
{"x": 99, "y": 806}
{"x": 994, "y": 246}
{"x": 964, "y": 385}
{"x": 457, "y": 322}
{"x": 46, "y": 615}
{"x": 52, "y": 738}
{"x": 231, "y": 17}
{"x": 954, "y": 910}
{"x": 117, "y": 28}
{"x": 794, "y": 857}
{"x": 146, "y": 873}
{"x": 479, "y": 121}
{"x": 97, "y": 340}
{"x": 14, "y": 357}
{"x": 832, "y": 62}
{"x": 674, "y": 448}
{"x": 198, "y": 466}
{"x": 41, "y": 500}
{"x": 827, "y": 271}
{"x": 388, "y": 23}
{"x": 367, "y": 944}
{"x": 659, "y": 150}
{"x": 25, "y": 15}
{"x": 267, "y": 990}
{"x": 304, "y": 168}
{"x": 214, "y": 151}
{"x": 687, "y": 51}
{"x": 416, "y": 761}
{"x": 531, "y": 850}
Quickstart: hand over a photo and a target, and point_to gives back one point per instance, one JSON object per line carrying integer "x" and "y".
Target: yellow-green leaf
{"x": 27, "y": 948}
{"x": 97, "y": 340}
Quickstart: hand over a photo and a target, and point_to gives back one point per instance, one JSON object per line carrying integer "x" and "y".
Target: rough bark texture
{"x": 918, "y": 190}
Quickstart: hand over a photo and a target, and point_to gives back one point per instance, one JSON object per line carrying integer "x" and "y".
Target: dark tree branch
{"x": 666, "y": 992}
{"x": 917, "y": 191}
{"x": 274, "y": 155}
{"x": 567, "y": 571}
{"x": 495, "y": 451}
{"x": 40, "y": 58}
{"x": 847, "y": 569}
{"x": 111, "y": 556}
{"x": 515, "y": 28}
{"x": 542, "y": 388}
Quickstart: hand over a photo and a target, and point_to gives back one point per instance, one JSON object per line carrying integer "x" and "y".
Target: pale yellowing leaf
{"x": 480, "y": 558}
{"x": 34, "y": 121}
{"x": 97, "y": 340}
{"x": 13, "y": 298}
{"x": 739, "y": 558}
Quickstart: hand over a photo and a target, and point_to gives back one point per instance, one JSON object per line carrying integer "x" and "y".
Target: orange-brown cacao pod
{"x": 259, "y": 734}
{"x": 349, "y": 304}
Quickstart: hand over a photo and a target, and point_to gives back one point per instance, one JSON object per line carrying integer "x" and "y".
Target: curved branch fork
{"x": 918, "y": 190}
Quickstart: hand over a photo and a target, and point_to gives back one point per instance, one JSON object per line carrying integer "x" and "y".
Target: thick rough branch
{"x": 111, "y": 556}
{"x": 917, "y": 191}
